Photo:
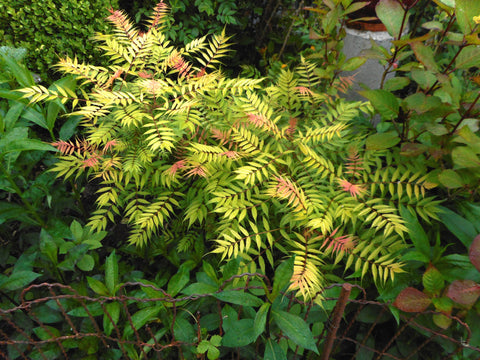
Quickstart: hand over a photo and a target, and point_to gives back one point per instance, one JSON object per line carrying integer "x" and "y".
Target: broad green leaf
{"x": 22, "y": 75}
{"x": 92, "y": 309}
{"x": 112, "y": 308}
{"x": 97, "y": 286}
{"x": 239, "y": 298}
{"x": 460, "y": 227}
{"x": 451, "y": 179}
{"x": 48, "y": 246}
{"x": 260, "y": 320}
{"x": 469, "y": 57}
{"x": 240, "y": 334}
{"x": 111, "y": 273}
{"x": 415, "y": 230}
{"x": 183, "y": 331}
{"x": 464, "y": 157}
{"x": 423, "y": 77}
{"x": 46, "y": 332}
{"x": 412, "y": 300}
{"x": 396, "y": 83}
{"x": 199, "y": 289}
{"x": 77, "y": 230}
{"x": 383, "y": 101}
{"x": 140, "y": 318}
{"x": 283, "y": 275}
{"x": 12, "y": 115}
{"x": 425, "y": 55}
{"x": 353, "y": 63}
{"x": 442, "y": 321}
{"x": 465, "y": 10}
{"x": 391, "y": 14}
{"x": 296, "y": 329}
{"x": 24, "y": 145}
{"x": 382, "y": 141}
{"x": 273, "y": 351}
{"x": 18, "y": 280}
{"x": 178, "y": 281}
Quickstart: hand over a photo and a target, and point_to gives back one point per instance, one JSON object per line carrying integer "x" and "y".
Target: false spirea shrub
{"x": 261, "y": 169}
{"x": 48, "y": 29}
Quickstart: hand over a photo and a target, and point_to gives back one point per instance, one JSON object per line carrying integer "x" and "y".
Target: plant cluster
{"x": 52, "y": 28}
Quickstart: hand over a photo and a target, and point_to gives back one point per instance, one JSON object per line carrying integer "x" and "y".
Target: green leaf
{"x": 415, "y": 230}
{"x": 199, "y": 289}
{"x": 460, "y": 227}
{"x": 433, "y": 281}
{"x": 260, "y": 320}
{"x": 97, "y": 286}
{"x": 382, "y": 141}
{"x": 383, "y": 101}
{"x": 13, "y": 114}
{"x": 77, "y": 230}
{"x": 140, "y": 318}
{"x": 240, "y": 334}
{"x": 396, "y": 83}
{"x": 178, "y": 281}
{"x": 18, "y": 280}
{"x": 111, "y": 273}
{"x": 22, "y": 75}
{"x": 464, "y": 157}
{"x": 183, "y": 331}
{"x": 283, "y": 275}
{"x": 86, "y": 263}
{"x": 48, "y": 246}
{"x": 353, "y": 63}
{"x": 296, "y": 329}
{"x": 239, "y": 298}
{"x": 273, "y": 351}
{"x": 425, "y": 55}
{"x": 450, "y": 179}
{"x": 391, "y": 13}
{"x": 469, "y": 57}
{"x": 113, "y": 309}
{"x": 465, "y": 10}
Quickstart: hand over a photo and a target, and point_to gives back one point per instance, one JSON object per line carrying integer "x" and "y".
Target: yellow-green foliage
{"x": 260, "y": 171}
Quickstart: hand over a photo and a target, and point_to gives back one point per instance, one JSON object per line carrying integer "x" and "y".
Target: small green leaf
{"x": 296, "y": 329}
{"x": 97, "y": 286}
{"x": 450, "y": 179}
{"x": 425, "y": 55}
{"x": 383, "y": 101}
{"x": 463, "y": 229}
{"x": 183, "y": 330}
{"x": 111, "y": 273}
{"x": 391, "y": 13}
{"x": 433, "y": 281}
{"x": 199, "y": 289}
{"x": 464, "y": 157}
{"x": 86, "y": 263}
{"x": 382, "y": 141}
{"x": 239, "y": 298}
{"x": 140, "y": 318}
{"x": 415, "y": 230}
{"x": 353, "y": 63}
{"x": 396, "y": 83}
{"x": 178, "y": 281}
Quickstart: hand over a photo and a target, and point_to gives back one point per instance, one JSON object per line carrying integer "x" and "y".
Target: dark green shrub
{"x": 52, "y": 28}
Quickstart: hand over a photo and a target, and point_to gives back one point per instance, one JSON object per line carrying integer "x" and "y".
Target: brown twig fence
{"x": 54, "y": 321}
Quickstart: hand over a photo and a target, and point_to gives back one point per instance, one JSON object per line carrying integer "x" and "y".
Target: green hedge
{"x": 52, "y": 28}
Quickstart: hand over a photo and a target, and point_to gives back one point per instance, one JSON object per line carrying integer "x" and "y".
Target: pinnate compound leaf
{"x": 296, "y": 329}
{"x": 474, "y": 252}
{"x": 465, "y": 292}
{"x": 412, "y": 300}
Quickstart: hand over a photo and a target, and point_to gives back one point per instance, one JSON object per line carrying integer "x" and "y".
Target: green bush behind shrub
{"x": 52, "y": 28}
